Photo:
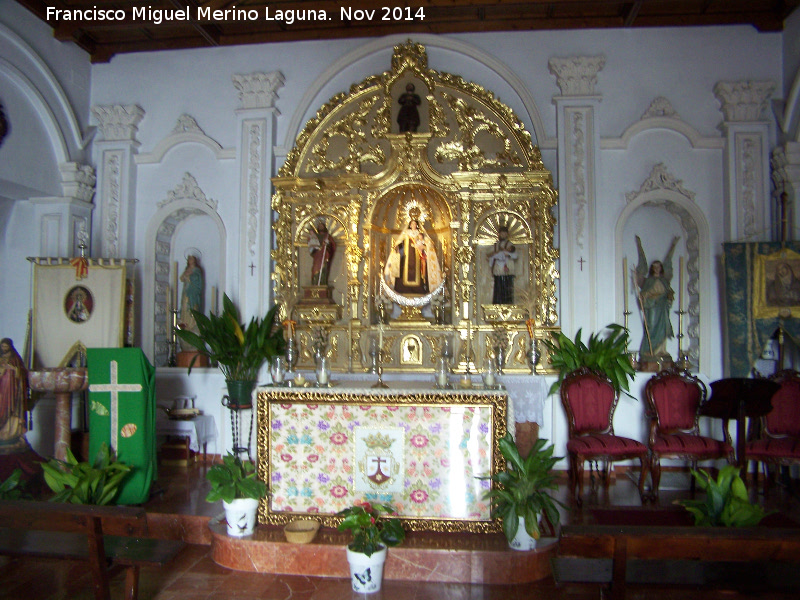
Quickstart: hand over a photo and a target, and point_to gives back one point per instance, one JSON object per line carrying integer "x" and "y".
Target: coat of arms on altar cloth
{"x": 379, "y": 459}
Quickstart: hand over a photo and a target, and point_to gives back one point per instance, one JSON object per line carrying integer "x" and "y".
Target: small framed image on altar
{"x": 426, "y": 454}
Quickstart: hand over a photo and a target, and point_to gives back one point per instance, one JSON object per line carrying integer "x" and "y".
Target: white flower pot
{"x": 522, "y": 541}
{"x": 366, "y": 572}
{"x": 241, "y": 516}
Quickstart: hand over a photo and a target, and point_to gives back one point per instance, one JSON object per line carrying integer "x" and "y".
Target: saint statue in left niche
{"x": 192, "y": 293}
{"x": 321, "y": 246}
{"x": 413, "y": 263}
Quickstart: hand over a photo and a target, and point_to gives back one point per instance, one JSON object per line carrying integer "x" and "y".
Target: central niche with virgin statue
{"x": 415, "y": 215}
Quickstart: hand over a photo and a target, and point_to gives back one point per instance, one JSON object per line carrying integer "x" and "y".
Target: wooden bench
{"x": 647, "y": 551}
{"x": 106, "y": 537}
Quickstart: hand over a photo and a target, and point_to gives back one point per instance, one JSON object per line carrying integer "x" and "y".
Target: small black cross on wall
{"x": 251, "y": 266}
{"x": 581, "y": 261}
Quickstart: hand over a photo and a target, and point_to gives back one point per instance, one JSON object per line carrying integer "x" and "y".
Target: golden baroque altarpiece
{"x": 460, "y": 165}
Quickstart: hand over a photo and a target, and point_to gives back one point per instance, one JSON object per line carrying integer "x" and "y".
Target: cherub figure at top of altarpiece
{"x": 413, "y": 263}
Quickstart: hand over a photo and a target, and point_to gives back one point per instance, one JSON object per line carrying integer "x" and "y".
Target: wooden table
{"x": 739, "y": 398}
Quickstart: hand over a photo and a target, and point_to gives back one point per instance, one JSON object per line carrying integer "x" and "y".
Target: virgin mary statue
{"x": 413, "y": 264}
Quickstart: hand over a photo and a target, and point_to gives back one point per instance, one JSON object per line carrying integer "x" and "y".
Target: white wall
{"x": 681, "y": 65}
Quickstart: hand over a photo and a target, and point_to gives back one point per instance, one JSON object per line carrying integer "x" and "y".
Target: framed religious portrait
{"x": 427, "y": 453}
{"x": 776, "y": 285}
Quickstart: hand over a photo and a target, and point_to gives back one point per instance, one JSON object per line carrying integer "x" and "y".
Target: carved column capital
{"x": 77, "y": 181}
{"x": 577, "y": 75}
{"x": 743, "y": 100}
{"x": 258, "y": 90}
{"x": 118, "y": 122}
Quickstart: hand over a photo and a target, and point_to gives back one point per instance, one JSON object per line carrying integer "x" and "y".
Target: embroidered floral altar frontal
{"x": 322, "y": 450}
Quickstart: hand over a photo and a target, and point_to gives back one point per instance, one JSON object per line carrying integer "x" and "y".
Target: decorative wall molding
{"x": 661, "y": 115}
{"x": 743, "y": 101}
{"x": 186, "y": 131}
{"x": 258, "y": 90}
{"x": 77, "y": 181}
{"x": 254, "y": 142}
{"x": 661, "y": 179}
{"x": 118, "y": 122}
{"x": 577, "y": 142}
{"x": 188, "y": 189}
{"x": 111, "y": 195}
{"x": 576, "y": 75}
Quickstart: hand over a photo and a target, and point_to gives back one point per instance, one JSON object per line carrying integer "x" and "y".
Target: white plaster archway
{"x": 156, "y": 276}
{"x": 662, "y": 191}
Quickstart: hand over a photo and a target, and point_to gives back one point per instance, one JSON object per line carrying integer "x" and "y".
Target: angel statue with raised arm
{"x": 655, "y": 297}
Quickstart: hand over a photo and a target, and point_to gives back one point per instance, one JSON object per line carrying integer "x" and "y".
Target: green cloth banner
{"x": 754, "y": 309}
{"x": 122, "y": 413}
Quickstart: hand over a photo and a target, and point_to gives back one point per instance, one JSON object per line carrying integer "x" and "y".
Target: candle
{"x": 380, "y": 341}
{"x": 465, "y": 309}
{"x": 175, "y": 278}
{"x": 625, "y": 282}
{"x": 680, "y": 284}
{"x": 442, "y": 379}
{"x": 213, "y": 300}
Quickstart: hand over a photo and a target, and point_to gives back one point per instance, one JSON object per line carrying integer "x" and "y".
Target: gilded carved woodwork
{"x": 469, "y": 168}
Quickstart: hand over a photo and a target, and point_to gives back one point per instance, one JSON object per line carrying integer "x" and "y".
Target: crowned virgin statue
{"x": 413, "y": 264}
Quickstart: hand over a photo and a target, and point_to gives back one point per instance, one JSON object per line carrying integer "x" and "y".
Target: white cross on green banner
{"x": 122, "y": 414}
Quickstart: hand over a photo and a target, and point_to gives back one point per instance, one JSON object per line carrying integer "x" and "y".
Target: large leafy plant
{"x": 726, "y": 502}
{"x": 605, "y": 352}
{"x": 523, "y": 490}
{"x": 239, "y": 350}
{"x": 371, "y": 530}
{"x": 82, "y": 483}
{"x": 234, "y": 478}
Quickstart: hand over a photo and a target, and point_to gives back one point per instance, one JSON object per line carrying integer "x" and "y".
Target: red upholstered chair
{"x": 589, "y": 401}
{"x": 778, "y": 441}
{"x": 673, "y": 399}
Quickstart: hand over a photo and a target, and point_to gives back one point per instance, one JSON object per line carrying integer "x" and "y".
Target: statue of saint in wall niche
{"x": 655, "y": 297}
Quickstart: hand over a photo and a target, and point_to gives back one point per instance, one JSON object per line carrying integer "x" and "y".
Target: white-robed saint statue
{"x": 413, "y": 264}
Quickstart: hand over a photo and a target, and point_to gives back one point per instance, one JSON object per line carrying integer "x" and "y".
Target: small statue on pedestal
{"x": 321, "y": 246}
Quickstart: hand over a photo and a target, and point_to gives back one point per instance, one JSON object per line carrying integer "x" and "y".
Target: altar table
{"x": 426, "y": 451}
{"x": 198, "y": 430}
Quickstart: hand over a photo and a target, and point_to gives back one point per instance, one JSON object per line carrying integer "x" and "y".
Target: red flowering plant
{"x": 371, "y": 529}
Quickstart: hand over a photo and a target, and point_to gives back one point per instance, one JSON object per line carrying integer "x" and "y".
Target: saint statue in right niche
{"x": 502, "y": 259}
{"x": 655, "y": 298}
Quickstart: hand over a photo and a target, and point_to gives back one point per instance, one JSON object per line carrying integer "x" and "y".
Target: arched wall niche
{"x": 466, "y": 162}
{"x": 663, "y": 201}
{"x": 186, "y": 221}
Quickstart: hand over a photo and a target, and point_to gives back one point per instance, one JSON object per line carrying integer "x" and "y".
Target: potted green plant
{"x": 605, "y": 353}
{"x": 13, "y": 488}
{"x": 235, "y": 482}
{"x": 522, "y": 495}
{"x": 83, "y": 483}
{"x": 726, "y": 502}
{"x": 372, "y": 534}
{"x": 238, "y": 350}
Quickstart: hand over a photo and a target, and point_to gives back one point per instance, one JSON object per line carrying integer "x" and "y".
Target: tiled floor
{"x": 194, "y": 576}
